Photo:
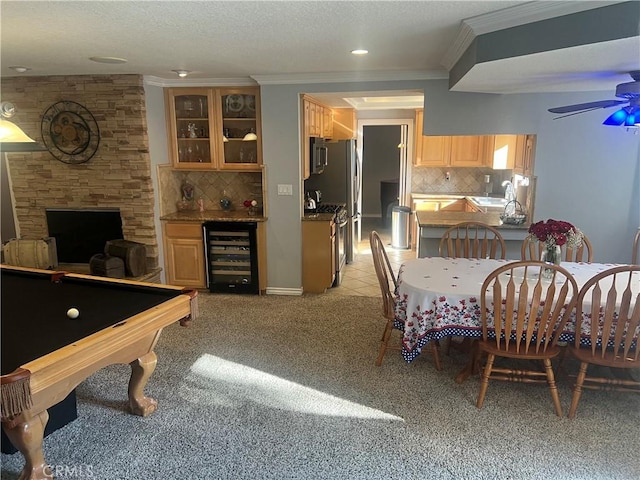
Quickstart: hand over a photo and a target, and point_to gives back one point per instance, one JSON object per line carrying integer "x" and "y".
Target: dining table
{"x": 439, "y": 297}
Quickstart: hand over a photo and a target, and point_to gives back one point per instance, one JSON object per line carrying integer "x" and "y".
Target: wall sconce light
{"x": 12, "y": 138}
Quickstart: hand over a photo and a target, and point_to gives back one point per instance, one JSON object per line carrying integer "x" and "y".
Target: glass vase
{"x": 550, "y": 254}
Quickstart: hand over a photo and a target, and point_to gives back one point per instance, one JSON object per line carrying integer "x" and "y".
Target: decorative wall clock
{"x": 70, "y": 132}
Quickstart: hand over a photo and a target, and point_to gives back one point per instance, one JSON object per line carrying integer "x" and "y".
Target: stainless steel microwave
{"x": 319, "y": 154}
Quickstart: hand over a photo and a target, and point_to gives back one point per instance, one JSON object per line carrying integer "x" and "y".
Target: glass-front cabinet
{"x": 241, "y": 133}
{"x": 214, "y": 128}
{"x": 191, "y": 120}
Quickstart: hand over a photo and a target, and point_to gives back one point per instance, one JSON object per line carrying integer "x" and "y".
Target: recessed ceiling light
{"x": 20, "y": 69}
{"x": 108, "y": 59}
{"x": 360, "y": 51}
{"x": 181, "y": 73}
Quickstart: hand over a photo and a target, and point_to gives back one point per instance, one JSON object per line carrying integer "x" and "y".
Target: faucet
{"x": 509, "y": 196}
{"x": 509, "y": 192}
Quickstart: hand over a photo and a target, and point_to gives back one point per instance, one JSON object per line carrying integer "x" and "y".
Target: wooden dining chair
{"x": 607, "y": 314}
{"x": 532, "y": 250}
{"x": 472, "y": 240}
{"x": 635, "y": 255}
{"x": 522, "y": 316}
{"x": 388, "y": 285}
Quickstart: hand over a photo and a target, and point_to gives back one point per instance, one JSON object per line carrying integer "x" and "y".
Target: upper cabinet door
{"x": 190, "y": 122}
{"x": 214, "y": 129}
{"x": 241, "y": 136}
{"x": 468, "y": 151}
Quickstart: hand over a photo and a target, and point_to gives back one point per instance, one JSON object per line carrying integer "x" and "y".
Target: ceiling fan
{"x": 629, "y": 115}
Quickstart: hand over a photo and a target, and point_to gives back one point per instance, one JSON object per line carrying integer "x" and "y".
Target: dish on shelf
{"x": 250, "y": 102}
{"x": 234, "y": 103}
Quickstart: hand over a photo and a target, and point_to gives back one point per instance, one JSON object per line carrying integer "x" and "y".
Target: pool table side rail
{"x": 55, "y": 375}
{"x": 50, "y": 378}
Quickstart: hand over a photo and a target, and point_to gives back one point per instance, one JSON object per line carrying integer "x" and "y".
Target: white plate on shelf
{"x": 250, "y": 102}
{"x": 234, "y": 103}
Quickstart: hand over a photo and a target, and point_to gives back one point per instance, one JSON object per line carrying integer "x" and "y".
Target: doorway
{"x": 385, "y": 160}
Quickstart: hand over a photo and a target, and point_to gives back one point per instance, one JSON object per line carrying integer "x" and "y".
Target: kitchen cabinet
{"x": 456, "y": 151}
{"x": 240, "y": 142}
{"x": 345, "y": 124}
{"x": 431, "y": 151}
{"x": 190, "y": 123}
{"x": 184, "y": 254}
{"x": 467, "y": 151}
{"x": 511, "y": 152}
{"x": 319, "y": 120}
{"x": 318, "y": 255}
{"x": 207, "y": 128}
{"x": 327, "y": 122}
{"x": 448, "y": 151}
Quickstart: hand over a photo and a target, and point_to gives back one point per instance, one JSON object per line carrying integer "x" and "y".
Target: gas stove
{"x": 338, "y": 209}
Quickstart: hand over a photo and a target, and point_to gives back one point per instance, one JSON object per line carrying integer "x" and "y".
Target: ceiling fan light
{"x": 617, "y": 118}
{"x": 630, "y": 120}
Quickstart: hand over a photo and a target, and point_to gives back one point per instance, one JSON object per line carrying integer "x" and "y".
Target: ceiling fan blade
{"x": 587, "y": 106}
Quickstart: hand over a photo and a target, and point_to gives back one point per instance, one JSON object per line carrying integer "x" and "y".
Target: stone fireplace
{"x": 118, "y": 177}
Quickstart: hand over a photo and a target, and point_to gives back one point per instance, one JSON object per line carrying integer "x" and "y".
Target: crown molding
{"x": 199, "y": 82}
{"x": 339, "y": 77}
{"x": 530, "y": 12}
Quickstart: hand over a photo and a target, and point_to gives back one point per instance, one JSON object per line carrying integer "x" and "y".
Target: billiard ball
{"x": 73, "y": 313}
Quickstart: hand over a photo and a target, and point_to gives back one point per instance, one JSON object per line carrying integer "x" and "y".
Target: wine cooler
{"x": 232, "y": 257}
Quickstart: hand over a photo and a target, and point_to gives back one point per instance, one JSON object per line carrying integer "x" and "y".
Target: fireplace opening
{"x": 81, "y": 233}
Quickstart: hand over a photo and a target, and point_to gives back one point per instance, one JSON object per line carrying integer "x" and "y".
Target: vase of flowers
{"x": 554, "y": 234}
{"x": 252, "y": 207}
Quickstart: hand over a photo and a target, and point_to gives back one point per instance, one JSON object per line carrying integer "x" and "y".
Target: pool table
{"x": 45, "y": 354}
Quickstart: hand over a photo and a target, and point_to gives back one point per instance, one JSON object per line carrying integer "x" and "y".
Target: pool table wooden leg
{"x": 141, "y": 370}
{"x": 26, "y": 435}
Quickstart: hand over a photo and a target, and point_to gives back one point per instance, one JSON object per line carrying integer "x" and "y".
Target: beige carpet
{"x": 286, "y": 388}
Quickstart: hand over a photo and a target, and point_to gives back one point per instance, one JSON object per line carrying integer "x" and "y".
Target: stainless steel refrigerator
{"x": 341, "y": 182}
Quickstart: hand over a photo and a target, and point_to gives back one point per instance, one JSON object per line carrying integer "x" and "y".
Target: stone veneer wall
{"x": 118, "y": 175}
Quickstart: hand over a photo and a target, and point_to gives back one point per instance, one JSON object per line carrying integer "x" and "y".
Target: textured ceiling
{"x": 239, "y": 41}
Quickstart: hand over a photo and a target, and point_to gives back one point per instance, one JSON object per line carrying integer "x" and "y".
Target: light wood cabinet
{"x": 500, "y": 152}
{"x": 448, "y": 151}
{"x": 467, "y": 151}
{"x": 318, "y": 255}
{"x": 184, "y": 254}
{"x": 207, "y": 128}
{"x": 327, "y": 122}
{"x": 431, "y": 151}
{"x": 319, "y": 120}
{"x": 240, "y": 142}
{"x": 345, "y": 125}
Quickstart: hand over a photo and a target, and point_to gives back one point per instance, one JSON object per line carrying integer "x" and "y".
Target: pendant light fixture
{"x": 12, "y": 138}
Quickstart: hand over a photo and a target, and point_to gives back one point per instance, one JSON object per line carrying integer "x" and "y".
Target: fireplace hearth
{"x": 81, "y": 233}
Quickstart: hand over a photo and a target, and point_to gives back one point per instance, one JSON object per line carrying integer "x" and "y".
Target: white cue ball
{"x": 73, "y": 313}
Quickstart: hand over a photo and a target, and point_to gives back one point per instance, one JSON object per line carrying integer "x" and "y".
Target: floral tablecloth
{"x": 439, "y": 297}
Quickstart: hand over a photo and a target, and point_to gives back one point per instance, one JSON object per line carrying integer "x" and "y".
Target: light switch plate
{"x": 285, "y": 189}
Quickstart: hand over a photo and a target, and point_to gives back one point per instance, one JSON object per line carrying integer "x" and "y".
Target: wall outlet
{"x": 447, "y": 176}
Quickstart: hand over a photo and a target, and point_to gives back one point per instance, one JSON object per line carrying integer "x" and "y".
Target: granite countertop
{"x": 318, "y": 217}
{"x": 213, "y": 215}
{"x": 446, "y": 219}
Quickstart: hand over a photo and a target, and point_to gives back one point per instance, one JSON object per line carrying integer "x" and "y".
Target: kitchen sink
{"x": 488, "y": 202}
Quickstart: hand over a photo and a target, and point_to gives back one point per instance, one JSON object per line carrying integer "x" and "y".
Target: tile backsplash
{"x": 208, "y": 186}
{"x": 461, "y": 180}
